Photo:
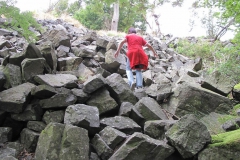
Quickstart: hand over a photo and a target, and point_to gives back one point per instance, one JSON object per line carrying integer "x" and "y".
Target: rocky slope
{"x": 67, "y": 97}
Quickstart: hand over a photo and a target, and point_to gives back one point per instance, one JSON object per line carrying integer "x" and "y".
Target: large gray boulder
{"x": 188, "y": 136}
{"x": 112, "y": 64}
{"x": 31, "y": 68}
{"x": 157, "y": 128}
{"x": 124, "y": 124}
{"x": 189, "y": 98}
{"x": 5, "y": 134}
{"x": 58, "y": 101}
{"x": 33, "y": 112}
{"x": 56, "y": 80}
{"x": 68, "y": 63}
{"x": 112, "y": 137}
{"x": 29, "y": 139}
{"x": 83, "y": 116}
{"x": 142, "y": 147}
{"x": 93, "y": 83}
{"x": 218, "y": 83}
{"x": 59, "y": 141}
{"x": 13, "y": 75}
{"x": 75, "y": 144}
{"x": 48, "y": 52}
{"x": 119, "y": 89}
{"x": 102, "y": 149}
{"x": 15, "y": 99}
{"x": 103, "y": 101}
{"x": 49, "y": 143}
{"x": 149, "y": 109}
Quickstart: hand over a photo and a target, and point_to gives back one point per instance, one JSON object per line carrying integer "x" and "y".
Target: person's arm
{"x": 119, "y": 47}
{"x": 151, "y": 48}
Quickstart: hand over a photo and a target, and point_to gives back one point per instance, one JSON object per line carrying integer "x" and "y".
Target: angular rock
{"x": 188, "y": 99}
{"x": 13, "y": 75}
{"x": 230, "y": 125}
{"x": 17, "y": 146}
{"x": 90, "y": 36}
{"x": 103, "y": 101}
{"x": 5, "y": 134}
{"x": 15, "y": 99}
{"x": 103, "y": 72}
{"x": 213, "y": 123}
{"x": 58, "y": 101}
{"x": 53, "y": 116}
{"x": 49, "y": 53}
{"x": 56, "y": 80}
{"x": 33, "y": 112}
{"x": 9, "y": 158}
{"x": 112, "y": 137}
{"x": 111, "y": 63}
{"x": 125, "y": 109}
{"x": 31, "y": 68}
{"x": 58, "y": 36}
{"x": 75, "y": 144}
{"x": 93, "y": 83}
{"x": 188, "y": 136}
{"x": 142, "y": 147}
{"x": 149, "y": 109}
{"x": 218, "y": 83}
{"x": 103, "y": 150}
{"x": 16, "y": 59}
{"x": 32, "y": 51}
{"x": 37, "y": 126}
{"x": 124, "y": 124}
{"x": 156, "y": 129}
{"x": 49, "y": 142}
{"x": 68, "y": 63}
{"x": 43, "y": 91}
{"x": 82, "y": 97}
{"x": 82, "y": 115}
{"x": 119, "y": 89}
{"x": 29, "y": 139}
{"x": 5, "y": 152}
{"x": 102, "y": 42}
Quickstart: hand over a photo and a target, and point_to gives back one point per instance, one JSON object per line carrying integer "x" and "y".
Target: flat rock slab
{"x": 55, "y": 80}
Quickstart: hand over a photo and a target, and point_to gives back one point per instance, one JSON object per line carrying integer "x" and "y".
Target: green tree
{"x": 19, "y": 21}
{"x": 91, "y": 20}
{"x": 61, "y": 7}
{"x": 74, "y": 7}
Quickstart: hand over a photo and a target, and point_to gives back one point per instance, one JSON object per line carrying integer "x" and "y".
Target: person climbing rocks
{"x": 136, "y": 57}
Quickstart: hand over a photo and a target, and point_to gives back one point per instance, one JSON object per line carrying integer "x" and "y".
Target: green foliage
{"x": 130, "y": 14}
{"x": 18, "y": 21}
{"x": 89, "y": 19}
{"x": 73, "y": 7}
{"x": 215, "y": 56}
{"x": 61, "y": 7}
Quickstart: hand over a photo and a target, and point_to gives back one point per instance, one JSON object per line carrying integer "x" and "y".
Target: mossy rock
{"x": 227, "y": 140}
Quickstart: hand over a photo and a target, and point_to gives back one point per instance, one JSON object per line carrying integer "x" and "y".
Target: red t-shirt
{"x": 135, "y": 53}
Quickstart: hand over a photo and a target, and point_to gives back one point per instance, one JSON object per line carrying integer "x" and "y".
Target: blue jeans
{"x": 139, "y": 77}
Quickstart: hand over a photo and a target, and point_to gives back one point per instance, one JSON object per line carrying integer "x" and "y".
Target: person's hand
{"x": 155, "y": 55}
{"x": 116, "y": 54}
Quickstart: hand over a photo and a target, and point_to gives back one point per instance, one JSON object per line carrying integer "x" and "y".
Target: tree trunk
{"x": 114, "y": 25}
{"x": 224, "y": 30}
